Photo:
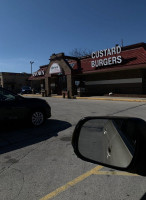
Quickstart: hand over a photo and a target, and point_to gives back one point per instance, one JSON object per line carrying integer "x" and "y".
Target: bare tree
{"x": 80, "y": 52}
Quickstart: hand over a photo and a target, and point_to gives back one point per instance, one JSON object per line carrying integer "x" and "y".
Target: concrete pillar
{"x": 70, "y": 85}
{"x": 48, "y": 86}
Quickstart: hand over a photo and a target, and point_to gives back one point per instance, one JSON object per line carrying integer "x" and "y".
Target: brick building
{"x": 121, "y": 70}
{"x": 14, "y": 81}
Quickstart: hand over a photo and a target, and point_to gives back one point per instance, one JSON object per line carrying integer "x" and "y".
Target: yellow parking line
{"x": 71, "y": 183}
{"x": 120, "y": 173}
{"x": 112, "y": 99}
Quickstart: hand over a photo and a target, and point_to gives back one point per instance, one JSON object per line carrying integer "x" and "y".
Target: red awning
{"x": 39, "y": 74}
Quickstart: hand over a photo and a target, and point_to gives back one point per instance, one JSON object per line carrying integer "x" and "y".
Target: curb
{"x": 112, "y": 99}
{"x": 31, "y": 95}
{"x": 93, "y": 98}
{"x": 106, "y": 99}
{"x": 58, "y": 97}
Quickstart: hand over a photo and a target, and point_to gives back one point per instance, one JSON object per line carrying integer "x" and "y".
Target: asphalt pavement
{"x": 39, "y": 163}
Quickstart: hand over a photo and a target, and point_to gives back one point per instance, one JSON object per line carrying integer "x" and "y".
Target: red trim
{"x": 130, "y": 57}
{"x": 119, "y": 68}
{"x": 133, "y": 57}
{"x": 33, "y": 78}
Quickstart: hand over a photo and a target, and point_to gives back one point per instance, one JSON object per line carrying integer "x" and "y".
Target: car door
{"x": 6, "y": 100}
{"x": 11, "y": 106}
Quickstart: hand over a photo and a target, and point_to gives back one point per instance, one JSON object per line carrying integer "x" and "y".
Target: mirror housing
{"x": 115, "y": 142}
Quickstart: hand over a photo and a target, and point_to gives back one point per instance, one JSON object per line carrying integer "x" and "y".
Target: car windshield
{"x": 6, "y": 95}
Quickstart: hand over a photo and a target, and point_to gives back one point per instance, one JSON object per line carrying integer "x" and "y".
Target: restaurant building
{"x": 119, "y": 70}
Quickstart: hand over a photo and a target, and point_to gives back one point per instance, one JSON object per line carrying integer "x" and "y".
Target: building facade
{"x": 120, "y": 70}
{"x": 14, "y": 81}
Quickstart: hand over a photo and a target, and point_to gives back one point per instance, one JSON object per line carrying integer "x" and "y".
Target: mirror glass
{"x": 108, "y": 141}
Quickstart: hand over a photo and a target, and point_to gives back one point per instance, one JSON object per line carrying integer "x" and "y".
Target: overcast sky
{"x": 34, "y": 29}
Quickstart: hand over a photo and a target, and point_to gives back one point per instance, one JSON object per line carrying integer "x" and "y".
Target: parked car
{"x": 26, "y": 90}
{"x": 15, "y": 107}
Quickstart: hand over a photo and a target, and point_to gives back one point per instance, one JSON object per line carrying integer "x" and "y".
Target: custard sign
{"x": 55, "y": 68}
{"x": 106, "y": 57}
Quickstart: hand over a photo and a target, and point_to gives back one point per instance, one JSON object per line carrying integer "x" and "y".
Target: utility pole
{"x": 31, "y": 62}
{"x": 122, "y": 43}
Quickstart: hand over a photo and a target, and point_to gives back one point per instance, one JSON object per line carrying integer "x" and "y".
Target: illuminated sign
{"x": 112, "y": 57}
{"x": 55, "y": 68}
{"x": 39, "y": 73}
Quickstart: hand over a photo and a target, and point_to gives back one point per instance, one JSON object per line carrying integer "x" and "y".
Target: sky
{"x": 32, "y": 30}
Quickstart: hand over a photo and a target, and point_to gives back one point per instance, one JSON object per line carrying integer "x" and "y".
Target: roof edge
{"x": 133, "y": 46}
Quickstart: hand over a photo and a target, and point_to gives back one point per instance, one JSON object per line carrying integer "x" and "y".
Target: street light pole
{"x": 31, "y": 62}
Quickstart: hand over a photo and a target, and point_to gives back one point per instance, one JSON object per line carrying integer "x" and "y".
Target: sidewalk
{"x": 106, "y": 98}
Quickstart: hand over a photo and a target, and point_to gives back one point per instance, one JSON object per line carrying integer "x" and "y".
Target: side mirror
{"x": 115, "y": 142}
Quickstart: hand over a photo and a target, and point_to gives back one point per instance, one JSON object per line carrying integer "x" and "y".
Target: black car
{"x": 15, "y": 107}
{"x": 26, "y": 90}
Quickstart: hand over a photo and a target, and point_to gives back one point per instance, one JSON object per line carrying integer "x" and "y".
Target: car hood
{"x": 34, "y": 99}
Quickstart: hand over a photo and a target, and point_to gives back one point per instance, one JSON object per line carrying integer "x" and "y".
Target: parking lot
{"x": 39, "y": 163}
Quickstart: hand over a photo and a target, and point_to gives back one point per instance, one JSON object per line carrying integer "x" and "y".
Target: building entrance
{"x": 58, "y": 84}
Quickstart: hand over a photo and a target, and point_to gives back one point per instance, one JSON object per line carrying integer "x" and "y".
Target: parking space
{"x": 39, "y": 163}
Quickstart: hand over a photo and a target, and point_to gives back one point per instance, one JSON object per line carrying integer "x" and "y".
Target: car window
{"x": 6, "y": 95}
